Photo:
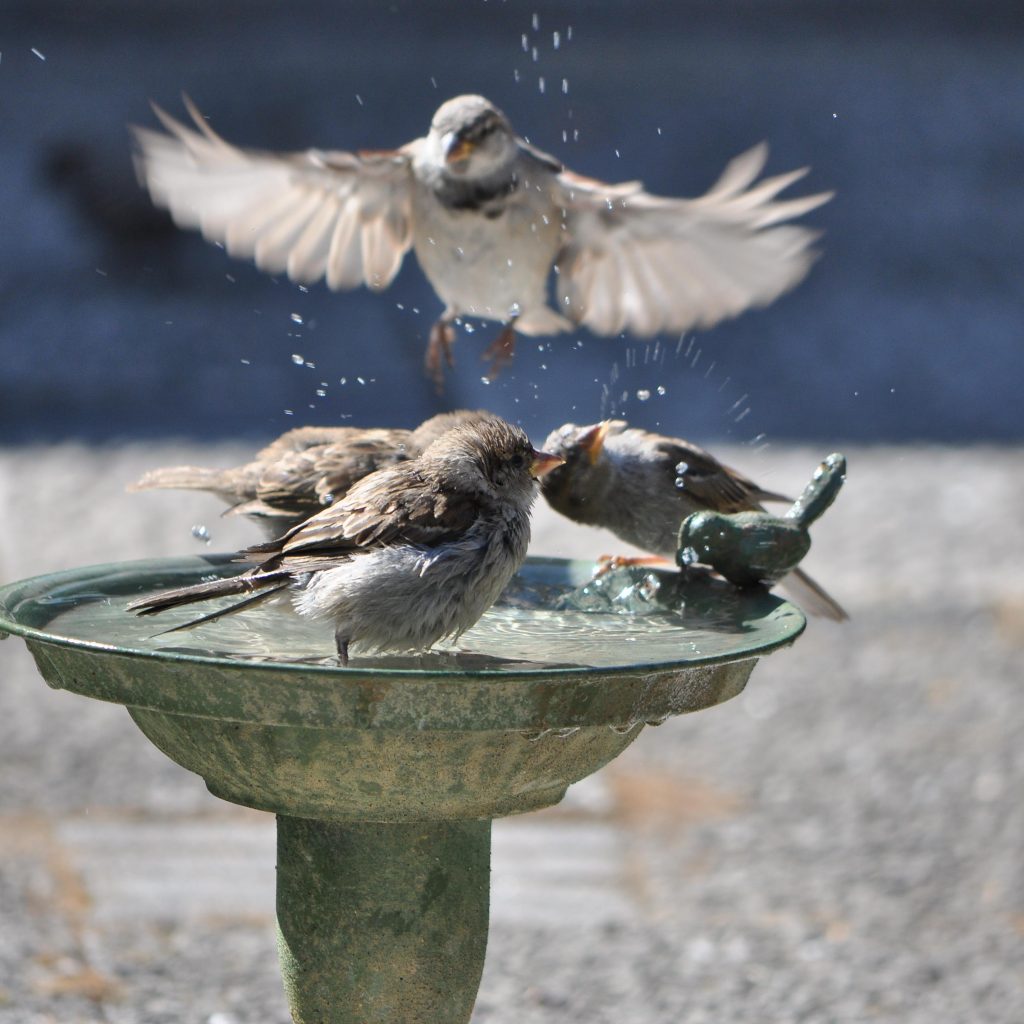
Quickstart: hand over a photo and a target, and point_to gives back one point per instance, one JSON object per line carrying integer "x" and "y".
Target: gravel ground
{"x": 841, "y": 843}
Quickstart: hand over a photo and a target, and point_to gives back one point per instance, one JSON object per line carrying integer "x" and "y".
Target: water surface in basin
{"x": 551, "y": 617}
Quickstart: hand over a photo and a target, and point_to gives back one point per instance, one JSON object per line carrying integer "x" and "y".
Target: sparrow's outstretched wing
{"x": 343, "y": 216}
{"x": 644, "y": 263}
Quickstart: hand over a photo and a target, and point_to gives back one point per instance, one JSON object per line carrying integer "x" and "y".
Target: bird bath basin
{"x": 385, "y": 775}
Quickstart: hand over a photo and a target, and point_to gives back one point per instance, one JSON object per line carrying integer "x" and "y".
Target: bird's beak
{"x": 457, "y": 148}
{"x": 591, "y": 440}
{"x": 543, "y": 463}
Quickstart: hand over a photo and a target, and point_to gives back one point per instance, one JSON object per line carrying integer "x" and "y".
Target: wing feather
{"x": 646, "y": 264}
{"x": 313, "y": 214}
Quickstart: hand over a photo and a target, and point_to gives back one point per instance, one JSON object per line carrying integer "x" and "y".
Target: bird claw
{"x": 500, "y": 352}
{"x": 606, "y": 563}
{"x": 439, "y": 352}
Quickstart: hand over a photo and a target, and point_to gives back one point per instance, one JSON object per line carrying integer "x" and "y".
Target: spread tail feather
{"x": 193, "y": 478}
{"x": 231, "y": 609}
{"x": 812, "y": 597}
{"x": 242, "y": 584}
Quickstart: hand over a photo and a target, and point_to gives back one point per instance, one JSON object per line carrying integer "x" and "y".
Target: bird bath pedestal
{"x": 385, "y": 776}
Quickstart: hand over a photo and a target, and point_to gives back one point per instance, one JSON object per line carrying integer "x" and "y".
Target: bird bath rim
{"x": 776, "y": 624}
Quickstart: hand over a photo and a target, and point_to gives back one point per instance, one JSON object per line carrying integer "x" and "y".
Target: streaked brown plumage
{"x": 305, "y": 469}
{"x": 412, "y": 553}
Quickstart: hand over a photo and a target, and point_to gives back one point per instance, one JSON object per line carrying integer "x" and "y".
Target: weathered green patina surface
{"x": 384, "y": 781}
{"x": 748, "y": 548}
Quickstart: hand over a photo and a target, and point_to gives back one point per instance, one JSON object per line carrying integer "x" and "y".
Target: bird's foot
{"x": 439, "y": 352}
{"x": 606, "y": 563}
{"x": 500, "y": 351}
{"x": 341, "y": 643}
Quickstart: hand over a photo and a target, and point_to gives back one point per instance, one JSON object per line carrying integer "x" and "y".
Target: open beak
{"x": 591, "y": 440}
{"x": 543, "y": 463}
{"x": 457, "y": 148}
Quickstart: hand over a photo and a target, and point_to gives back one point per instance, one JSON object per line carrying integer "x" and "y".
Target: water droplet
{"x": 245, "y": 362}
{"x": 469, "y": 328}
{"x": 535, "y": 21}
{"x": 565, "y": 86}
{"x": 297, "y": 359}
{"x": 643, "y": 394}
{"x": 38, "y": 54}
{"x": 360, "y": 380}
{"x": 326, "y": 499}
{"x": 526, "y": 43}
{"x": 485, "y": 380}
{"x": 540, "y": 83}
{"x": 556, "y": 39}
{"x": 320, "y": 393}
{"x": 296, "y": 318}
{"x": 680, "y": 482}
{"x": 200, "y": 532}
{"x": 661, "y": 389}
{"x": 289, "y": 412}
{"x": 359, "y": 99}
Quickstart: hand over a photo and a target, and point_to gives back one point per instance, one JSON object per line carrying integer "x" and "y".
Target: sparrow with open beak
{"x": 306, "y": 468}
{"x": 412, "y": 554}
{"x": 489, "y": 216}
{"x": 641, "y": 486}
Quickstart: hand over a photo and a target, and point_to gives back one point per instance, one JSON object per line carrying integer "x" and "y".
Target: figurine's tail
{"x": 812, "y": 597}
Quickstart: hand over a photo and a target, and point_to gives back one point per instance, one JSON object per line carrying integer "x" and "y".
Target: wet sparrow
{"x": 412, "y": 554}
{"x": 641, "y": 486}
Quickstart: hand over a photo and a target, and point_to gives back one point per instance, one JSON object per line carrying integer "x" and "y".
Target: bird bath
{"x": 385, "y": 775}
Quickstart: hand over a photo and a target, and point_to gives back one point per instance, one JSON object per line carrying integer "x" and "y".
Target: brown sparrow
{"x": 413, "y": 553}
{"x": 489, "y": 216}
{"x": 641, "y": 486}
{"x": 305, "y": 469}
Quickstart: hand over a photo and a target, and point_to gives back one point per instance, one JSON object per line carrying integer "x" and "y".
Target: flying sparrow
{"x": 489, "y": 217}
{"x": 641, "y": 486}
{"x": 305, "y": 469}
{"x": 413, "y": 553}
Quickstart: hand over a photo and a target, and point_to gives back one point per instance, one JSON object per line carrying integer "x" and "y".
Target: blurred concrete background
{"x": 843, "y": 842}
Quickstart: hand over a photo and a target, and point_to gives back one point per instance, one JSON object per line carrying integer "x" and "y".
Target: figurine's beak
{"x": 543, "y": 463}
{"x": 457, "y": 148}
{"x": 591, "y": 440}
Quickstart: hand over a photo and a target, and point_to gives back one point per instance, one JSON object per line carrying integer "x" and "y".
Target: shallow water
{"x": 551, "y": 616}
